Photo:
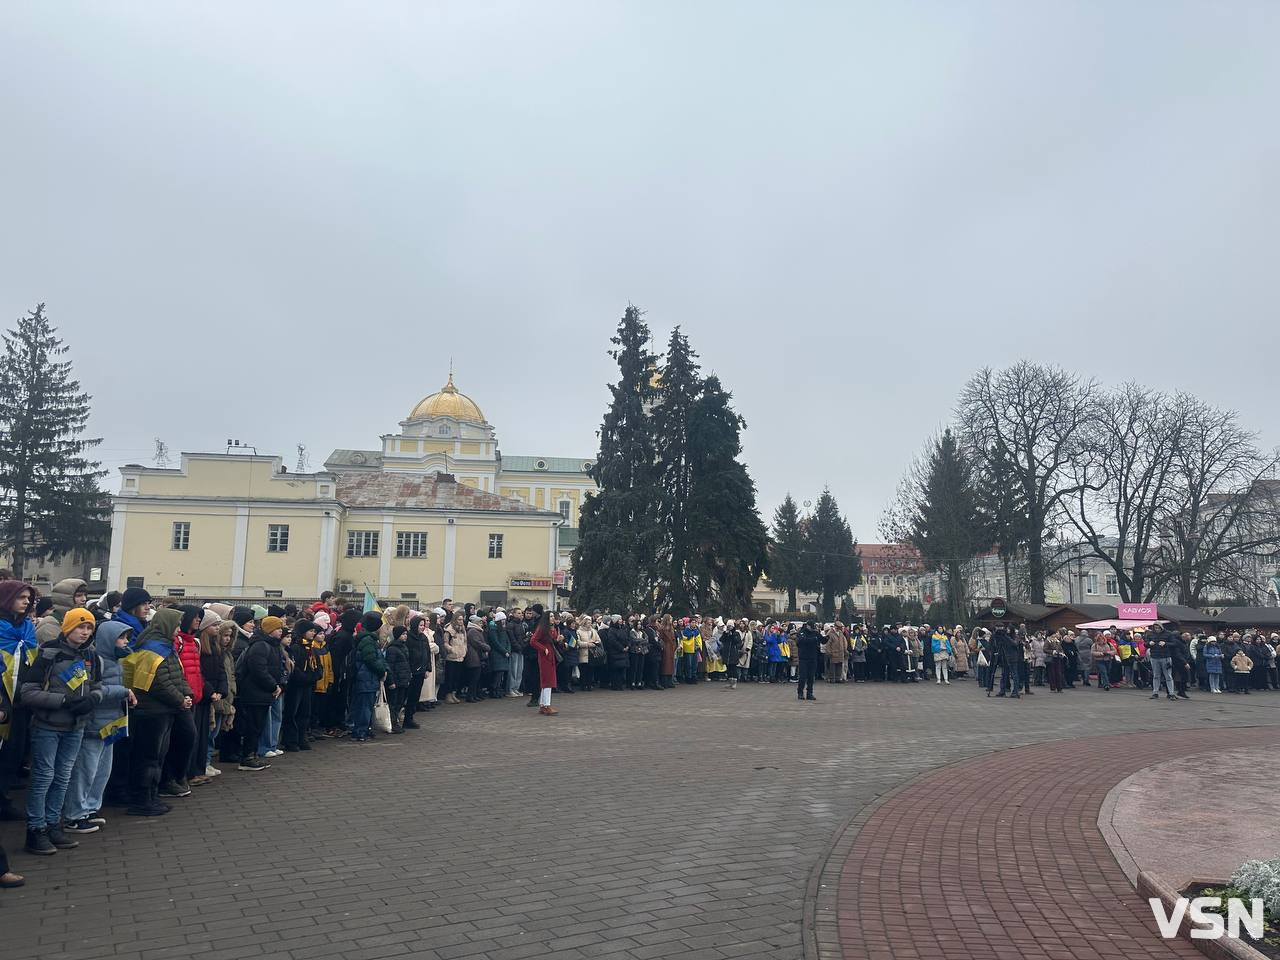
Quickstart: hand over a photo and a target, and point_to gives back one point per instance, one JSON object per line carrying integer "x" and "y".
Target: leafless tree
{"x": 1125, "y": 483}
{"x": 1033, "y": 419}
{"x": 1222, "y": 525}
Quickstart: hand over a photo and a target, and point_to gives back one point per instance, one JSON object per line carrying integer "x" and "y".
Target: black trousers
{"x": 651, "y": 666}
{"x": 250, "y": 719}
{"x": 148, "y": 745}
{"x": 182, "y": 741}
{"x": 635, "y": 669}
{"x": 806, "y": 670}
{"x": 471, "y": 682}
{"x": 395, "y": 702}
{"x": 586, "y": 675}
{"x": 296, "y": 716}
{"x": 14, "y": 751}
{"x": 453, "y": 678}
{"x": 618, "y": 675}
{"x": 415, "y": 695}
{"x": 201, "y": 715}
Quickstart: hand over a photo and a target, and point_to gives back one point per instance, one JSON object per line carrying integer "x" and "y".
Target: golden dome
{"x": 448, "y": 403}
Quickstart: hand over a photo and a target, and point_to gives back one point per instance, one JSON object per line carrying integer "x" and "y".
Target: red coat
{"x": 546, "y": 657}
{"x": 188, "y": 650}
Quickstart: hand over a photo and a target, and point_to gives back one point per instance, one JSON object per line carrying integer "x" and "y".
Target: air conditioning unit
{"x": 346, "y": 586}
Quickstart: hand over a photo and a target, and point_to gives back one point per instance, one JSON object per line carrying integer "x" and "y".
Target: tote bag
{"x": 381, "y": 712}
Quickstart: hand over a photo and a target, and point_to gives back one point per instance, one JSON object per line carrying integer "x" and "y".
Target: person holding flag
{"x": 153, "y": 671}
{"x": 61, "y": 687}
{"x": 108, "y": 723}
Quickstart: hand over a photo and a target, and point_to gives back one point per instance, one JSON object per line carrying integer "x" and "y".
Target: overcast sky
{"x": 277, "y": 222}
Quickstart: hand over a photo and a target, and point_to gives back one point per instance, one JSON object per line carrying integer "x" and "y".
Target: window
{"x": 408, "y": 596}
{"x": 176, "y": 592}
{"x": 131, "y": 582}
{"x": 273, "y": 594}
{"x": 277, "y": 538}
{"x": 1113, "y": 585}
{"x": 565, "y": 507}
{"x": 872, "y": 581}
{"x": 1091, "y": 583}
{"x": 181, "y": 535}
{"x": 362, "y": 543}
{"x": 411, "y": 543}
{"x": 495, "y": 546}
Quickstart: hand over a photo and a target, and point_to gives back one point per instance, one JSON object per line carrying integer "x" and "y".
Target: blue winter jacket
{"x": 114, "y": 692}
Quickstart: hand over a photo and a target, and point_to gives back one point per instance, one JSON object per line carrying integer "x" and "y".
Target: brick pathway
{"x": 634, "y": 825}
{"x": 1002, "y": 857}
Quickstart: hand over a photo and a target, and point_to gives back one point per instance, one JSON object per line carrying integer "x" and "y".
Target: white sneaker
{"x": 947, "y": 682}
{"x": 274, "y": 753}
{"x": 212, "y": 772}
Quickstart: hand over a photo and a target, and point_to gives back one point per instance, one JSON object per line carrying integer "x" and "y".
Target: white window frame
{"x": 368, "y": 542}
{"x": 405, "y": 538}
{"x": 1091, "y": 584}
{"x": 180, "y": 537}
{"x": 277, "y": 538}
{"x": 496, "y": 543}
{"x": 566, "y": 508}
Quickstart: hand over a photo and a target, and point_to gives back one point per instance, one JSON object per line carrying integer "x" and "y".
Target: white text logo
{"x": 1208, "y": 925}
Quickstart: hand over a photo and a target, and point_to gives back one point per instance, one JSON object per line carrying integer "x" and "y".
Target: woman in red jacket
{"x": 182, "y": 741}
{"x": 544, "y": 642}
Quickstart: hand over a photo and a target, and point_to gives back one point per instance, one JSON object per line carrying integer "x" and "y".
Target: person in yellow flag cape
{"x": 153, "y": 671}
{"x": 109, "y": 722}
{"x": 17, "y": 647}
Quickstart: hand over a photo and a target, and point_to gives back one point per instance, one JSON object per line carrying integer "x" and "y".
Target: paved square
{"x": 634, "y": 825}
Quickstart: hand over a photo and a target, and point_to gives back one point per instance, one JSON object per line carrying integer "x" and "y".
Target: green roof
{"x": 549, "y": 464}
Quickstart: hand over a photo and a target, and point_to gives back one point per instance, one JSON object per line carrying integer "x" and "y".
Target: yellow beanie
{"x": 75, "y": 617}
{"x": 272, "y": 624}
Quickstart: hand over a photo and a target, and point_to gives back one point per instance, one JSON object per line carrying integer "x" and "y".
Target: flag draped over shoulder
{"x": 143, "y": 661}
{"x": 17, "y": 648}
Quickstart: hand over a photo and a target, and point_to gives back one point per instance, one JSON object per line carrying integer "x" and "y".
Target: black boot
{"x": 60, "y": 839}
{"x": 39, "y": 844}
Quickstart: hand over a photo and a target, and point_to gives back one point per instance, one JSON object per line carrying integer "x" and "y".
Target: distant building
{"x": 436, "y": 512}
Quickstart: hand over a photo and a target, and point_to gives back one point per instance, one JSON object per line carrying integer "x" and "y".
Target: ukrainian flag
{"x": 13, "y": 651}
{"x": 117, "y": 729}
{"x": 141, "y": 665}
{"x": 74, "y": 675}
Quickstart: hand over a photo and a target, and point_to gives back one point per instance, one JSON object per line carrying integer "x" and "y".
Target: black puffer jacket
{"x": 169, "y": 687}
{"x": 616, "y": 639}
{"x": 419, "y": 646}
{"x": 398, "y": 670}
{"x": 259, "y": 671}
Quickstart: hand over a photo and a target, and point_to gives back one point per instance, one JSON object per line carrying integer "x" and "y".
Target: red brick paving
{"x": 1001, "y": 857}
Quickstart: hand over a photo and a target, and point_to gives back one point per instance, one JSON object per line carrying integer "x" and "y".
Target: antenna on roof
{"x": 304, "y": 459}
{"x": 162, "y": 453}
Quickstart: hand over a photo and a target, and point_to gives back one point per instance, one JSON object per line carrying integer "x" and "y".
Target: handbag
{"x": 381, "y": 712}
{"x": 982, "y": 659}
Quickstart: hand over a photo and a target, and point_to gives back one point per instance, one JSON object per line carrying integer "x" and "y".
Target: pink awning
{"x": 1115, "y": 625}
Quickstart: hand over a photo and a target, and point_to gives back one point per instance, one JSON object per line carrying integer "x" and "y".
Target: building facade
{"x": 435, "y": 512}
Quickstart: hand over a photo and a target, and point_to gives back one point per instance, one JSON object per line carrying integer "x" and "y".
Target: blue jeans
{"x": 88, "y": 779}
{"x": 213, "y": 742}
{"x": 517, "y": 671}
{"x": 362, "y": 713}
{"x": 53, "y": 755}
{"x": 270, "y": 739}
{"x": 689, "y": 661}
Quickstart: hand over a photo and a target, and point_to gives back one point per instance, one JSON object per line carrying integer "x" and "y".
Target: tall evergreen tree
{"x": 786, "y": 551}
{"x": 832, "y": 553}
{"x": 678, "y": 392}
{"x": 50, "y": 504}
{"x": 723, "y": 527}
{"x": 945, "y": 521}
{"x": 614, "y": 563}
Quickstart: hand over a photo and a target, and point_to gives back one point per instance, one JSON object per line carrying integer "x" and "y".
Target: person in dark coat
{"x": 616, "y": 638}
{"x": 499, "y": 654}
{"x": 518, "y": 637}
{"x": 477, "y": 651}
{"x": 259, "y": 682}
{"x": 418, "y": 643}
{"x": 731, "y": 652}
{"x": 213, "y": 672}
{"x": 154, "y": 672}
{"x": 399, "y": 674}
{"x": 342, "y": 645}
{"x": 808, "y": 657}
{"x": 370, "y": 667}
{"x": 653, "y": 659}
{"x": 299, "y": 689}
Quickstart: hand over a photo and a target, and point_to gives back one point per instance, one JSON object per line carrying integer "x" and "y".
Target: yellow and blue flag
{"x": 370, "y": 601}
{"x": 117, "y": 729}
{"x": 141, "y": 664}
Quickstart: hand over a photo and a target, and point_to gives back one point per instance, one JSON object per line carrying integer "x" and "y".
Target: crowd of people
{"x": 121, "y": 701}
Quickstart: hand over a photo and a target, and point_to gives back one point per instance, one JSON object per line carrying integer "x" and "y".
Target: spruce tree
{"x": 614, "y": 562}
{"x": 50, "y": 504}
{"x": 946, "y": 523}
{"x": 786, "y": 551}
{"x": 722, "y": 528}
{"x": 834, "y": 564}
{"x": 678, "y": 392}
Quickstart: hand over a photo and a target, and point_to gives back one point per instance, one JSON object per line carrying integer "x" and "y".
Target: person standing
{"x": 418, "y": 643}
{"x": 295, "y": 724}
{"x": 1053, "y": 659}
{"x": 17, "y": 648}
{"x": 370, "y": 669}
{"x": 670, "y": 648}
{"x": 1160, "y": 652}
{"x": 399, "y": 674}
{"x": 153, "y": 671}
{"x": 808, "y": 659}
{"x": 731, "y": 652}
{"x": 61, "y": 687}
{"x": 259, "y": 683}
{"x": 542, "y": 643}
{"x": 517, "y": 637}
{"x": 943, "y": 651}
{"x": 499, "y": 654}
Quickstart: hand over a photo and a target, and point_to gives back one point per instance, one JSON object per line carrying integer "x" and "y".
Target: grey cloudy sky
{"x": 277, "y": 222}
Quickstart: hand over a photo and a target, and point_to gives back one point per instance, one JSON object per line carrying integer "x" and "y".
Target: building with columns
{"x": 436, "y": 511}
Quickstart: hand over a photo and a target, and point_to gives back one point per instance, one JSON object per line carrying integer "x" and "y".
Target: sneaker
{"x": 97, "y": 818}
{"x": 173, "y": 788}
{"x": 81, "y": 826}
{"x": 212, "y": 771}
{"x": 200, "y": 781}
{"x": 60, "y": 839}
{"x": 271, "y": 754}
{"x": 253, "y": 764}
{"x": 39, "y": 844}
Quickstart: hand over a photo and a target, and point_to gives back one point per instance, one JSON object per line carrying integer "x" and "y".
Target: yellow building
{"x": 436, "y": 512}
